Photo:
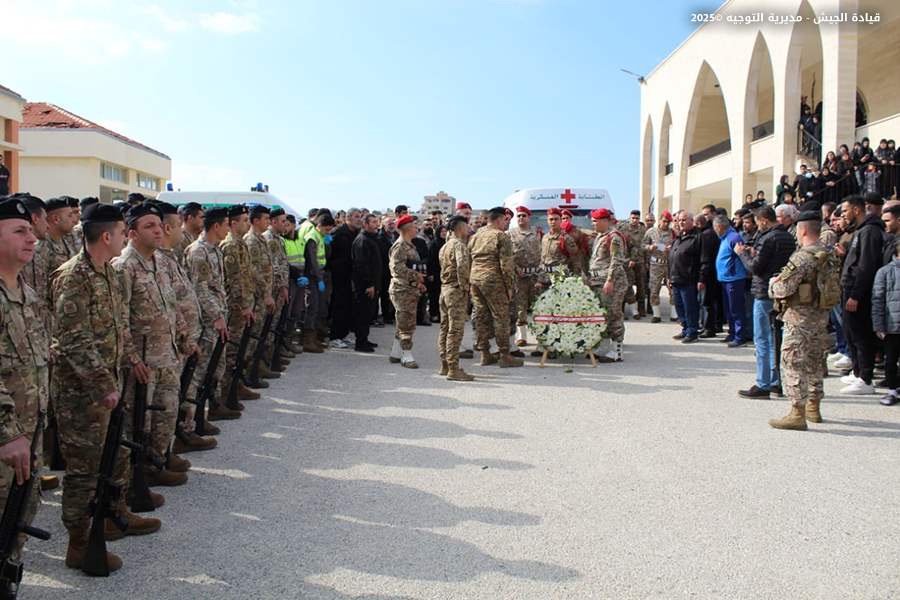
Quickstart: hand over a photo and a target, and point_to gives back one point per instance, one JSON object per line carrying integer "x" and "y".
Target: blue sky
{"x": 350, "y": 102}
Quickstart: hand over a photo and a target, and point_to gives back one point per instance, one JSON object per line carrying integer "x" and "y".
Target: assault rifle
{"x": 238, "y": 371}
{"x": 187, "y": 375}
{"x": 281, "y": 329}
{"x": 13, "y": 523}
{"x": 253, "y": 378}
{"x": 207, "y": 389}
{"x": 141, "y": 501}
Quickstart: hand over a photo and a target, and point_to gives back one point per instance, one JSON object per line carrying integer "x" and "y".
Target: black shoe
{"x": 753, "y": 392}
{"x": 537, "y": 353}
{"x": 689, "y": 340}
{"x": 777, "y": 391}
{"x": 368, "y": 349}
{"x": 708, "y": 334}
{"x": 655, "y": 319}
{"x": 882, "y": 383}
{"x": 466, "y": 354}
{"x": 678, "y": 336}
{"x": 517, "y": 354}
{"x": 371, "y": 344}
{"x": 738, "y": 344}
{"x": 725, "y": 340}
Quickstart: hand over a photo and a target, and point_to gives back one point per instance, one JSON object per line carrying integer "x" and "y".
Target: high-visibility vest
{"x": 294, "y": 251}
{"x": 320, "y": 245}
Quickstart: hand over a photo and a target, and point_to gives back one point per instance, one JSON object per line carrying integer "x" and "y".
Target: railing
{"x": 809, "y": 146}
{"x": 762, "y": 130}
{"x": 707, "y": 153}
{"x": 669, "y": 168}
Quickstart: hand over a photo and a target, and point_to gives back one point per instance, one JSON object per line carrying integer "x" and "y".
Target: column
{"x": 839, "y": 57}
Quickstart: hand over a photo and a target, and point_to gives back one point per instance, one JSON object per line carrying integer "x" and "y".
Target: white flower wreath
{"x": 568, "y": 318}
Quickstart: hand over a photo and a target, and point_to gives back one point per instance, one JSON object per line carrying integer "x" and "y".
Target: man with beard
{"x": 365, "y": 271}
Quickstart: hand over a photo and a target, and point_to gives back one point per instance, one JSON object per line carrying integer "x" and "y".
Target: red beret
{"x": 666, "y": 215}
{"x": 567, "y": 213}
{"x": 600, "y": 213}
{"x": 405, "y": 220}
{"x": 462, "y": 205}
{"x": 508, "y": 212}
{"x": 553, "y": 211}
{"x": 523, "y": 209}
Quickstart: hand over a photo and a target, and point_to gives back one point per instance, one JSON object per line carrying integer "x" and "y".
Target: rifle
{"x": 13, "y": 523}
{"x": 207, "y": 389}
{"x": 281, "y": 330}
{"x": 140, "y": 499}
{"x": 253, "y": 379}
{"x": 238, "y": 371}
{"x": 107, "y": 493}
{"x": 187, "y": 375}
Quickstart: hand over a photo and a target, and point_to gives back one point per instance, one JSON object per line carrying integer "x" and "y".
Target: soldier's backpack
{"x": 828, "y": 280}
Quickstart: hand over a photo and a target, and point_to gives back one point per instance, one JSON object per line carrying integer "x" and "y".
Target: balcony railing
{"x": 809, "y": 146}
{"x": 707, "y": 153}
{"x": 763, "y": 129}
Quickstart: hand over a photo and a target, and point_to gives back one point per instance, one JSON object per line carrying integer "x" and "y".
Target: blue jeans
{"x": 686, "y": 297}
{"x": 749, "y": 326}
{"x": 733, "y": 301}
{"x": 837, "y": 321}
{"x": 764, "y": 340}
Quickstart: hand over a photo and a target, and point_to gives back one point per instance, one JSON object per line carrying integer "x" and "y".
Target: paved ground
{"x": 353, "y": 478}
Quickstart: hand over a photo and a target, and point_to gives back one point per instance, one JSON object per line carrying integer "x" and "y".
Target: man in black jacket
{"x": 768, "y": 256}
{"x": 386, "y": 237}
{"x": 421, "y": 244}
{"x": 862, "y": 261}
{"x": 684, "y": 273}
{"x": 366, "y": 273}
{"x": 339, "y": 263}
{"x": 712, "y": 290}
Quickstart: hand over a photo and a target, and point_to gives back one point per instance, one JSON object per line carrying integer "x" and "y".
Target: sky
{"x": 345, "y": 103}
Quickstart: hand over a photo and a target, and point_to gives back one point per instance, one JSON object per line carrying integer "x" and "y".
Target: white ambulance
{"x": 581, "y": 201}
{"x": 214, "y": 199}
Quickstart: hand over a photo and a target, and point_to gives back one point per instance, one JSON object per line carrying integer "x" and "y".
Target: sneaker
{"x": 754, "y": 392}
{"x": 850, "y": 379}
{"x": 689, "y": 340}
{"x": 858, "y": 388}
{"x": 833, "y": 356}
{"x": 890, "y": 399}
{"x": 843, "y": 362}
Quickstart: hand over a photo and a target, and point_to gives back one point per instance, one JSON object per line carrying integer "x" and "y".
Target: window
{"x": 113, "y": 173}
{"x": 147, "y": 182}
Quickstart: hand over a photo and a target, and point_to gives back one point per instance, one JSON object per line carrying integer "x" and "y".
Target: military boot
{"x": 78, "y": 539}
{"x": 311, "y": 344}
{"x": 796, "y": 419}
{"x": 507, "y": 361}
{"x": 455, "y": 373}
{"x": 165, "y": 478}
{"x": 812, "y": 411}
{"x": 277, "y": 368}
{"x": 291, "y": 344}
{"x": 176, "y": 464}
{"x": 220, "y": 413}
{"x": 265, "y": 373}
{"x": 286, "y": 352}
{"x": 488, "y": 358}
{"x": 407, "y": 360}
{"x": 466, "y": 354}
{"x": 444, "y": 368}
{"x": 49, "y": 482}
{"x": 191, "y": 442}
{"x": 245, "y": 393}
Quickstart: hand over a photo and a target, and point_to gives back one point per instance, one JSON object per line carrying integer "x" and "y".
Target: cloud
{"x": 169, "y": 23}
{"x": 223, "y": 22}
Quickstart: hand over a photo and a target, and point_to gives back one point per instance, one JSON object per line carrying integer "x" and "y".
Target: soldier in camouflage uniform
{"x": 151, "y": 340}
{"x": 634, "y": 231}
{"x": 656, "y": 244}
{"x": 280, "y": 268}
{"x": 24, "y": 355}
{"x": 191, "y": 215}
{"x": 204, "y": 262}
{"x": 35, "y": 272}
{"x": 581, "y": 239}
{"x": 73, "y": 237}
{"x": 527, "y": 256}
{"x": 805, "y": 327}
{"x": 493, "y": 277}
{"x": 608, "y": 278}
{"x": 263, "y": 279}
{"x": 57, "y": 249}
{"x": 558, "y": 249}
{"x": 455, "y": 265}
{"x": 407, "y": 284}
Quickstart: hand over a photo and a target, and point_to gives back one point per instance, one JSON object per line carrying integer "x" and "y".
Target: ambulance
{"x": 581, "y": 201}
{"x": 215, "y": 199}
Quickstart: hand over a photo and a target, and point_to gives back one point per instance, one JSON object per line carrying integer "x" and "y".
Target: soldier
{"x": 406, "y": 286}
{"x": 35, "y": 272}
{"x": 656, "y": 243}
{"x": 191, "y": 215}
{"x": 205, "y": 264}
{"x": 151, "y": 340}
{"x": 805, "y": 326}
{"x": 76, "y": 230}
{"x": 527, "y": 255}
{"x": 649, "y": 223}
{"x": 634, "y": 231}
{"x": 582, "y": 240}
{"x": 187, "y": 341}
{"x": 608, "y": 278}
{"x": 89, "y": 343}
{"x": 455, "y": 265}
{"x": 73, "y": 237}
{"x": 280, "y": 269}
{"x": 24, "y": 355}
{"x": 263, "y": 278}
{"x": 493, "y": 276}
{"x": 558, "y": 249}
{"x": 239, "y": 291}
{"x": 59, "y": 225}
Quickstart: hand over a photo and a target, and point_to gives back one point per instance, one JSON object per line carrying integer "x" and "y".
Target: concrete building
{"x": 719, "y": 116}
{"x": 11, "y": 105}
{"x": 67, "y": 154}
{"x": 441, "y": 201}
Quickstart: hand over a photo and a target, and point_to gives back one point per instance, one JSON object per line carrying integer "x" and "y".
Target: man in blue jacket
{"x": 732, "y": 274}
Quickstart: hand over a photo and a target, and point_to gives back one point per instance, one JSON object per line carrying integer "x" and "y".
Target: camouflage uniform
{"x": 527, "y": 256}
{"x": 73, "y": 239}
{"x": 154, "y": 323}
{"x": 492, "y": 276}
{"x": 635, "y": 236}
{"x": 262, "y": 272}
{"x": 455, "y": 265}
{"x": 828, "y": 237}
{"x": 403, "y": 290}
{"x": 805, "y": 329}
{"x": 608, "y": 261}
{"x": 182, "y": 244}
{"x": 239, "y": 293}
{"x": 24, "y": 355}
{"x": 89, "y": 344}
{"x": 204, "y": 263}
{"x": 553, "y": 255}
{"x": 659, "y": 260}
{"x": 37, "y": 276}
{"x": 280, "y": 269}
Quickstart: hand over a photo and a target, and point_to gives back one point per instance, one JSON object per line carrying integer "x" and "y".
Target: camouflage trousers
{"x": 525, "y": 297}
{"x": 802, "y": 367}
{"x": 235, "y": 331}
{"x": 491, "y": 314}
{"x": 615, "y": 314}
{"x": 7, "y": 476}
{"x": 82, "y": 432}
{"x": 453, "y": 303}
{"x": 635, "y": 280}
{"x": 659, "y": 275}
{"x": 405, "y": 304}
{"x": 162, "y": 390}
{"x": 204, "y": 354}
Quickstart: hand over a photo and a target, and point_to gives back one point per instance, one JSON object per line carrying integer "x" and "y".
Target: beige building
{"x": 441, "y": 201}
{"x": 64, "y": 154}
{"x": 11, "y": 105}
{"x": 719, "y": 116}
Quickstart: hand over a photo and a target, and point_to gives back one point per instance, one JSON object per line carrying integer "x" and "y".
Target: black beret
{"x": 276, "y": 212}
{"x": 13, "y": 208}
{"x": 237, "y": 210}
{"x": 56, "y": 204}
{"x": 32, "y": 203}
{"x": 810, "y": 215}
{"x": 215, "y": 215}
{"x": 497, "y": 211}
{"x": 165, "y": 208}
{"x": 258, "y": 210}
{"x": 101, "y": 213}
{"x": 455, "y": 220}
{"x": 70, "y": 201}
{"x": 189, "y": 207}
{"x": 121, "y": 206}
{"x": 141, "y": 210}
{"x": 136, "y": 197}
{"x": 85, "y": 202}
